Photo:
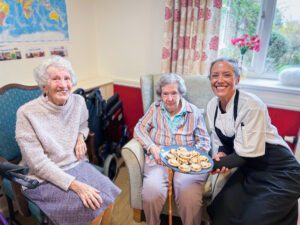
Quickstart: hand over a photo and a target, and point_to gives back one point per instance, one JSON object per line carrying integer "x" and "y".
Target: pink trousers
{"x": 188, "y": 194}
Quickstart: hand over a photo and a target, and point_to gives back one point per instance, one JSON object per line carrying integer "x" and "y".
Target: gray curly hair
{"x": 170, "y": 78}
{"x": 41, "y": 74}
{"x": 231, "y": 61}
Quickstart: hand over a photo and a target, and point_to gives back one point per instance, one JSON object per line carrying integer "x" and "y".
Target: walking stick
{"x": 170, "y": 194}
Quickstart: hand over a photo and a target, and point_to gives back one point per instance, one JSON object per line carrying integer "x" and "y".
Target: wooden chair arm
{"x": 90, "y": 143}
{"x": 20, "y": 199}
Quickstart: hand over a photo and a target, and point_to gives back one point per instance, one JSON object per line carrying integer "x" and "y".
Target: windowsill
{"x": 273, "y": 93}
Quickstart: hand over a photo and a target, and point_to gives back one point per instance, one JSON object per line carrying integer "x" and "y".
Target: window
{"x": 278, "y": 25}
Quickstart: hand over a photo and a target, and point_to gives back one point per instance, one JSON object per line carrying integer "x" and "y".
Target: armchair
{"x": 199, "y": 93}
{"x": 12, "y": 96}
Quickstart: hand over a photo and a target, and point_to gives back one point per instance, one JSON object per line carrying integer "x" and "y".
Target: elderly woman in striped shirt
{"x": 171, "y": 121}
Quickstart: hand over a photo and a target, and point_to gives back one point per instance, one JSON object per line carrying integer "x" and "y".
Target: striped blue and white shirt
{"x": 186, "y": 128}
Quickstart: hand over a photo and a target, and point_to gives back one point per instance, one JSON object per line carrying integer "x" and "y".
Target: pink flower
{"x": 181, "y": 42}
{"x": 256, "y": 48}
{"x": 200, "y": 14}
{"x": 245, "y": 43}
{"x": 184, "y": 42}
{"x": 168, "y": 13}
{"x": 177, "y": 15}
{"x": 254, "y": 38}
{"x": 207, "y": 14}
{"x": 233, "y": 41}
{"x": 196, "y": 56}
{"x": 218, "y": 4}
{"x": 214, "y": 43}
{"x": 183, "y": 3}
{"x": 203, "y": 56}
{"x": 166, "y": 53}
{"x": 175, "y": 54}
{"x": 187, "y": 42}
{"x": 194, "y": 42}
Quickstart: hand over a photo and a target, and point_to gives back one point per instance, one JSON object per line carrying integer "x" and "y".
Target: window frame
{"x": 264, "y": 30}
{"x": 258, "y": 82}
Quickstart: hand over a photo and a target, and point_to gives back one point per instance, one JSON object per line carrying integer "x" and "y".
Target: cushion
{"x": 290, "y": 76}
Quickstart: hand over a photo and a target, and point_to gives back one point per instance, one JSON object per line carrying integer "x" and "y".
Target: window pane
{"x": 284, "y": 45}
{"x": 239, "y": 17}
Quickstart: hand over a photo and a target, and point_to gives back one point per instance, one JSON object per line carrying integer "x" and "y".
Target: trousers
{"x": 188, "y": 191}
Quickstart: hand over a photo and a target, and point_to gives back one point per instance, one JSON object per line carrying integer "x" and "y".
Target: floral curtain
{"x": 191, "y": 35}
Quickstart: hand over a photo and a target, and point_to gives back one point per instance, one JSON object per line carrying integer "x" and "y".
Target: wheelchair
{"x": 106, "y": 120}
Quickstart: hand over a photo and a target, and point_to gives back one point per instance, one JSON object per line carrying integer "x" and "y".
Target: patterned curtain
{"x": 191, "y": 35}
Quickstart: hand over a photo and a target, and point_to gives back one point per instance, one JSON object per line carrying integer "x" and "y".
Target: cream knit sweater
{"x": 47, "y": 134}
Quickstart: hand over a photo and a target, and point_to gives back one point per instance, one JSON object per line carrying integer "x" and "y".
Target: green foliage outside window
{"x": 238, "y": 18}
{"x": 241, "y": 17}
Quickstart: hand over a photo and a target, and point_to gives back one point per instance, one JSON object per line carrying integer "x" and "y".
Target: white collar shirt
{"x": 252, "y": 128}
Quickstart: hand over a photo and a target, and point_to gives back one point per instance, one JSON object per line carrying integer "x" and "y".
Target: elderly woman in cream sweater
{"x": 50, "y": 131}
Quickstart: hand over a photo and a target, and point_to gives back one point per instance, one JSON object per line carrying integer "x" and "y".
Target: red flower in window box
{"x": 246, "y": 43}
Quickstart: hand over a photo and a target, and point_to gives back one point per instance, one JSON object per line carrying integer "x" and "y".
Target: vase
{"x": 242, "y": 68}
{"x": 243, "y": 72}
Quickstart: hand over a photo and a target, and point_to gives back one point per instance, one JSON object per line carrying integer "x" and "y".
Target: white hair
{"x": 41, "y": 74}
{"x": 170, "y": 78}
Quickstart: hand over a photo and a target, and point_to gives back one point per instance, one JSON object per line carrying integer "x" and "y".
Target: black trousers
{"x": 264, "y": 191}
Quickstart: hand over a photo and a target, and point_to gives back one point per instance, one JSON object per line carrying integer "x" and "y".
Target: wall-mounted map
{"x": 33, "y": 20}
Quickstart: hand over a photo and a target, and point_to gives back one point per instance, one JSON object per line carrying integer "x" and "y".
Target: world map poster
{"x": 33, "y": 21}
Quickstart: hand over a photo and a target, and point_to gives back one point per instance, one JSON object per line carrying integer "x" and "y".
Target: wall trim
{"x": 126, "y": 82}
{"x": 272, "y": 92}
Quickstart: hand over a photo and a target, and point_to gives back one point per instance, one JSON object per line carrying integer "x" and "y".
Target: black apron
{"x": 264, "y": 191}
{"x": 227, "y": 142}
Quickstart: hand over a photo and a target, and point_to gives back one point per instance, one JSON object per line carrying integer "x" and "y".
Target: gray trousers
{"x": 188, "y": 194}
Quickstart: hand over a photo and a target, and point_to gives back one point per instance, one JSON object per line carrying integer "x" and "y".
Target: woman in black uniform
{"x": 266, "y": 186}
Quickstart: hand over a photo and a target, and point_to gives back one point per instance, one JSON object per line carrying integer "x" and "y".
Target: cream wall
{"x": 81, "y": 47}
{"x": 116, "y": 39}
{"x": 129, "y": 38}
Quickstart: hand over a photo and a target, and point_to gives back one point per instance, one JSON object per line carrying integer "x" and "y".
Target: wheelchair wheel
{"x": 111, "y": 166}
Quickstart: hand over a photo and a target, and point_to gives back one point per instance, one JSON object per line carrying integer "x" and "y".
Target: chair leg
{"x": 137, "y": 215}
{"x": 11, "y": 211}
{"x": 106, "y": 219}
{"x": 97, "y": 220}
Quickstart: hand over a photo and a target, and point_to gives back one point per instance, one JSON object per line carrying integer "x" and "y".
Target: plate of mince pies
{"x": 186, "y": 159}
